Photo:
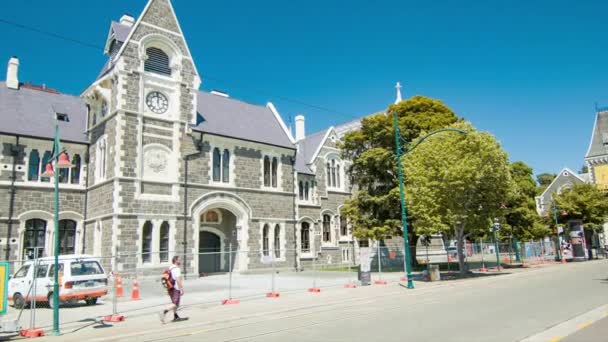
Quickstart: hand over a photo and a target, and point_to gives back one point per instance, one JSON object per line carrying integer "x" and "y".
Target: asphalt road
{"x": 498, "y": 309}
{"x": 494, "y": 308}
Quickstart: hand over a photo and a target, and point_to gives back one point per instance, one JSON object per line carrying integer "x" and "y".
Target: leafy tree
{"x": 457, "y": 182}
{"x": 544, "y": 180}
{"x": 584, "y": 169}
{"x": 374, "y": 210}
{"x": 521, "y": 218}
{"x": 584, "y": 202}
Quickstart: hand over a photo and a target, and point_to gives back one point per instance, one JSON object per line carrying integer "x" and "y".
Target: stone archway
{"x": 242, "y": 213}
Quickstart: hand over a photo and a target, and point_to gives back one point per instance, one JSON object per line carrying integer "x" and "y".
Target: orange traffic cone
{"x": 118, "y": 285}
{"x": 135, "y": 293}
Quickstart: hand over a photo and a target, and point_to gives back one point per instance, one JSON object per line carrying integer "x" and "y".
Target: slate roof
{"x": 306, "y": 150}
{"x": 30, "y": 112}
{"x": 599, "y": 139}
{"x": 233, "y": 118}
{"x": 120, "y": 32}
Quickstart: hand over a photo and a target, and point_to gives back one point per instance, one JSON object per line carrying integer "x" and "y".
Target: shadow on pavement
{"x": 448, "y": 276}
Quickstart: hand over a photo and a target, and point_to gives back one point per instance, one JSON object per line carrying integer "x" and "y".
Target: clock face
{"x": 157, "y": 102}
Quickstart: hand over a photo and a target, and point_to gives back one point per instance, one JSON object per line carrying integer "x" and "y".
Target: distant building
{"x": 564, "y": 180}
{"x": 597, "y": 156}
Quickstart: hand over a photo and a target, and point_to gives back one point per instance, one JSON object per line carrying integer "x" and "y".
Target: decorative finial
{"x": 398, "y": 87}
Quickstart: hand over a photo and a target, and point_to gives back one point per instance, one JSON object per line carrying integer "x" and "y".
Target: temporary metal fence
{"x": 106, "y": 289}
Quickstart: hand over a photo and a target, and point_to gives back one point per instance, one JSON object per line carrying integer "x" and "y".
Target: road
{"x": 499, "y": 308}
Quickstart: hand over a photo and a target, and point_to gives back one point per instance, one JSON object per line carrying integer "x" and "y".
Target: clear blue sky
{"x": 528, "y": 71}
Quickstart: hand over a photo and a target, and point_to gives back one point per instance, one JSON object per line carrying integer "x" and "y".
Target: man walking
{"x": 176, "y": 291}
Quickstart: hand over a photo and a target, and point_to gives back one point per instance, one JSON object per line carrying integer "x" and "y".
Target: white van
{"x": 431, "y": 250}
{"x": 81, "y": 277}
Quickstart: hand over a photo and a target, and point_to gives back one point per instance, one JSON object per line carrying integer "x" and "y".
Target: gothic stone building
{"x": 161, "y": 168}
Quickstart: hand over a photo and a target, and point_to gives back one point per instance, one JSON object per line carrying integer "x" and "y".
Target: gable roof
{"x": 598, "y": 146}
{"x": 306, "y": 150}
{"x": 564, "y": 173}
{"x": 149, "y": 5}
{"x": 30, "y": 111}
{"x": 228, "y": 117}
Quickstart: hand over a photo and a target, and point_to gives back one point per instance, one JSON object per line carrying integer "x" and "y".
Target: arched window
{"x": 305, "y": 237}
{"x": 275, "y": 164}
{"x": 164, "y": 242}
{"x": 34, "y": 166}
{"x": 46, "y": 158}
{"x": 277, "y": 241}
{"x": 306, "y": 191}
{"x": 35, "y": 235}
{"x": 64, "y": 174}
{"x": 333, "y": 173}
{"x": 226, "y": 167}
{"x": 343, "y": 226}
{"x": 100, "y": 160}
{"x": 75, "y": 170}
{"x": 67, "y": 237}
{"x": 326, "y": 228}
{"x": 301, "y": 191}
{"x": 146, "y": 242}
{"x": 266, "y": 171}
{"x": 157, "y": 61}
{"x": 265, "y": 241}
{"x": 338, "y": 175}
{"x": 217, "y": 164}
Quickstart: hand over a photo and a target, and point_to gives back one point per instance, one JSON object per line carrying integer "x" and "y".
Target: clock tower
{"x": 149, "y": 85}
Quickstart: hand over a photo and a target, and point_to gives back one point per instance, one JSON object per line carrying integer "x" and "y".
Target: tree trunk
{"x": 460, "y": 248}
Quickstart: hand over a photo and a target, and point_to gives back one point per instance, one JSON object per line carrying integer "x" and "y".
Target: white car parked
{"x": 81, "y": 277}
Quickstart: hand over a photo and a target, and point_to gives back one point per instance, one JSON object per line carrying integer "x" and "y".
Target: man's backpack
{"x": 167, "y": 279}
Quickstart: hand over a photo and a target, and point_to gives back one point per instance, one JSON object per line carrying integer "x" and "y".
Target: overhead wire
{"x": 211, "y": 78}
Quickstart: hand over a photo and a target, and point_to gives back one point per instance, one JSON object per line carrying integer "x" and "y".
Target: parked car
{"x": 452, "y": 251}
{"x": 81, "y": 277}
{"x": 431, "y": 249}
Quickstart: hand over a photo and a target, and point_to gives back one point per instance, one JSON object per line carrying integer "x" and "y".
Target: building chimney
{"x": 300, "y": 131}
{"x": 12, "y": 73}
{"x": 127, "y": 20}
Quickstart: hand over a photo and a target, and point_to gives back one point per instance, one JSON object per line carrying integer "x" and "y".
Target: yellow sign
{"x": 4, "y": 272}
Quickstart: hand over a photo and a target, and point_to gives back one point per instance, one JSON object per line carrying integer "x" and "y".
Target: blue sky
{"x": 529, "y": 72}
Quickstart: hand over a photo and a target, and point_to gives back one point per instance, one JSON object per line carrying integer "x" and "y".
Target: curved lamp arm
{"x": 407, "y": 149}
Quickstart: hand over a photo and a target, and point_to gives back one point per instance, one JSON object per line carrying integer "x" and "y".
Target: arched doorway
{"x": 209, "y": 258}
{"x": 231, "y": 225}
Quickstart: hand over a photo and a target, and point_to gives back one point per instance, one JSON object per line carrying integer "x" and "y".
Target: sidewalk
{"x": 211, "y": 316}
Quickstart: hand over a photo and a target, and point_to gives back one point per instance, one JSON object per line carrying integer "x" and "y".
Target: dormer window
{"x": 63, "y": 117}
{"x": 114, "y": 48}
{"x": 157, "y": 61}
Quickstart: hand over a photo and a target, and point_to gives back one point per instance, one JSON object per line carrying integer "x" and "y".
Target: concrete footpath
{"x": 509, "y": 307}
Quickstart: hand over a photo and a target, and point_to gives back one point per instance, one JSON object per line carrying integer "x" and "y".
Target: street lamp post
{"x": 62, "y": 161}
{"x": 495, "y": 228}
{"x": 406, "y": 150}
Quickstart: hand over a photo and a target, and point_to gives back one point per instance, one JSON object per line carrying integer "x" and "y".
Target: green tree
{"x": 584, "y": 202}
{"x": 544, "y": 180}
{"x": 521, "y": 218}
{"x": 458, "y": 183}
{"x": 374, "y": 211}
